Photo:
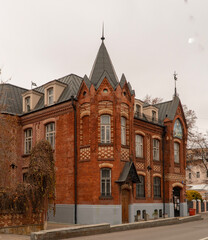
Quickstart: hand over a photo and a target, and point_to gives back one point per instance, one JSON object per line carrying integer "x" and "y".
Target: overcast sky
{"x": 42, "y": 40}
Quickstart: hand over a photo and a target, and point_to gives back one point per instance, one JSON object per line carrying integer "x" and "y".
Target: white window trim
{"x": 123, "y": 130}
{"x": 105, "y": 130}
{"x": 27, "y": 141}
{"x": 176, "y": 152}
{"x": 50, "y": 134}
{"x": 139, "y": 145}
{"x": 156, "y": 149}
{"x": 106, "y": 179}
{"x": 50, "y": 96}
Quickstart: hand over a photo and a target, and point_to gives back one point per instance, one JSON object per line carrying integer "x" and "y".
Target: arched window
{"x": 156, "y": 149}
{"x": 105, "y": 182}
{"x": 28, "y": 140}
{"x": 139, "y": 146}
{"x": 157, "y": 187}
{"x": 50, "y": 134}
{"x": 105, "y": 129}
{"x": 140, "y": 187}
{"x": 176, "y": 152}
{"x": 123, "y": 130}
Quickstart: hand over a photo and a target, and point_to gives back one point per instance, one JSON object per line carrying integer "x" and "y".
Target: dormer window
{"x": 138, "y": 110}
{"x": 50, "y": 96}
{"x": 27, "y": 104}
{"x": 153, "y": 116}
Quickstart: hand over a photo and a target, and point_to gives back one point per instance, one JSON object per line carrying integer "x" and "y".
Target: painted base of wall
{"x": 93, "y": 214}
{"x": 86, "y": 214}
{"x": 148, "y": 207}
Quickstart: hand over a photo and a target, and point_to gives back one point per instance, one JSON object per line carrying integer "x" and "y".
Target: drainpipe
{"x": 163, "y": 157}
{"x": 75, "y": 159}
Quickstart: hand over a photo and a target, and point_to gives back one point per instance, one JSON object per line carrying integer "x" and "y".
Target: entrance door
{"x": 176, "y": 201}
{"x": 125, "y": 206}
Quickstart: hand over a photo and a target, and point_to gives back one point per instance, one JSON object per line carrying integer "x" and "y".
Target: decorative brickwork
{"x": 124, "y": 154}
{"x": 9, "y": 219}
{"x": 175, "y": 177}
{"x": 157, "y": 168}
{"x": 148, "y": 164}
{"x": 139, "y": 165}
{"x": 177, "y": 170}
{"x": 105, "y": 152}
{"x": 85, "y": 153}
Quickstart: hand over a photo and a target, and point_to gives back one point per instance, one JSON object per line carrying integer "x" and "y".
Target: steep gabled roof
{"x": 11, "y": 98}
{"x": 128, "y": 173}
{"x": 103, "y": 64}
{"x": 168, "y": 109}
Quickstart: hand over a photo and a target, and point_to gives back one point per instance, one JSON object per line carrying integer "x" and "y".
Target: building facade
{"x": 116, "y": 157}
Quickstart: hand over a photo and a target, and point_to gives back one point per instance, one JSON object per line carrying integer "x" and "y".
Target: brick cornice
{"x": 53, "y": 111}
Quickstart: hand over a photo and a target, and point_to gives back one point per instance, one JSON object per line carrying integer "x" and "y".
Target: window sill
{"x": 106, "y": 197}
{"x": 140, "y": 159}
{"x": 156, "y": 161}
{"x": 26, "y": 155}
{"x": 157, "y": 198}
{"x": 125, "y": 146}
{"x": 141, "y": 198}
{"x": 105, "y": 144}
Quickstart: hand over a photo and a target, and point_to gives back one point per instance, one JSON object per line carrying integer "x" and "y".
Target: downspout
{"x": 75, "y": 159}
{"x": 163, "y": 159}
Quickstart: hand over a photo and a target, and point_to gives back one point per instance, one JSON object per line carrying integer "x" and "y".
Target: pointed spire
{"x": 103, "y": 38}
{"x": 175, "y": 78}
{"x": 103, "y": 64}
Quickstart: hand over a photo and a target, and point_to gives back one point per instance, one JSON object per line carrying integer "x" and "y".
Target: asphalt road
{"x": 197, "y": 230}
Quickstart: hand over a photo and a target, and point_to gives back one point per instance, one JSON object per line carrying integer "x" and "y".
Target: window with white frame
{"x": 123, "y": 130}
{"x": 156, "y": 149}
{"x": 140, "y": 187}
{"x": 28, "y": 141}
{"x": 50, "y": 96}
{"x": 105, "y": 182}
{"x": 139, "y": 146}
{"x": 105, "y": 129}
{"x": 27, "y": 104}
{"x": 157, "y": 187}
{"x": 50, "y": 134}
{"x": 176, "y": 152}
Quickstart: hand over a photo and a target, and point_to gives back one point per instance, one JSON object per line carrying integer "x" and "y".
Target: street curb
{"x": 87, "y": 230}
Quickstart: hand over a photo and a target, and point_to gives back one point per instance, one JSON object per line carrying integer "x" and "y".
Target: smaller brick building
{"x": 116, "y": 157}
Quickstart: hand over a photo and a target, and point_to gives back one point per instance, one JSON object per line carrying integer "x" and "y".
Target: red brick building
{"x": 115, "y": 156}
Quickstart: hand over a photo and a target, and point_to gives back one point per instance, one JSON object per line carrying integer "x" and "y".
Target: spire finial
{"x": 175, "y": 78}
{"x": 103, "y": 38}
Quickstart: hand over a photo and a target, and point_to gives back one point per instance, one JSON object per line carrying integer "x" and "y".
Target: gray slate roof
{"x": 73, "y": 83}
{"x": 128, "y": 173}
{"x": 168, "y": 109}
{"x": 11, "y": 98}
{"x": 103, "y": 65}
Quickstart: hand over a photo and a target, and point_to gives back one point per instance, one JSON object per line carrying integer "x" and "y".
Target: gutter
{"x": 75, "y": 158}
{"x": 163, "y": 159}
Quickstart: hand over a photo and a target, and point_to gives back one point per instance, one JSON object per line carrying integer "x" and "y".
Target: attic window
{"x": 84, "y": 93}
{"x": 105, "y": 90}
{"x": 27, "y": 104}
{"x": 50, "y": 96}
{"x": 124, "y": 93}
